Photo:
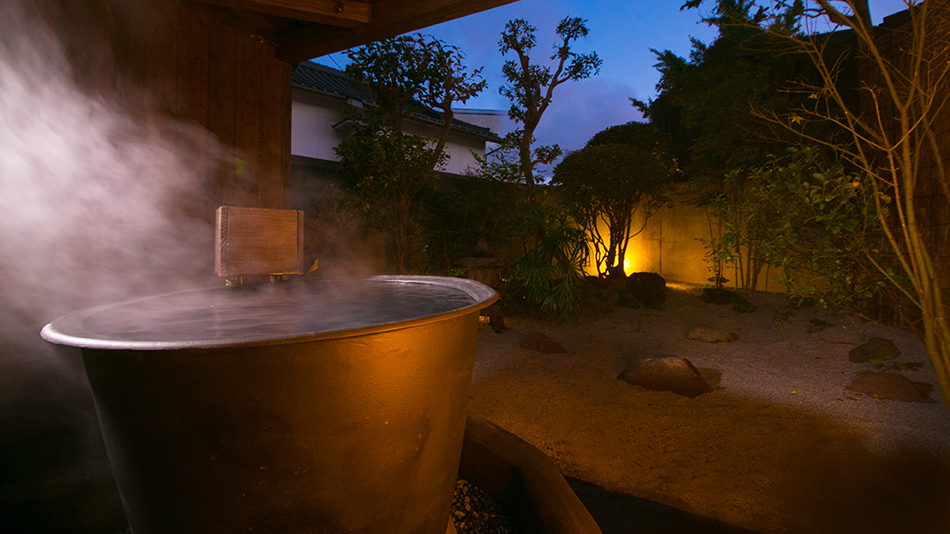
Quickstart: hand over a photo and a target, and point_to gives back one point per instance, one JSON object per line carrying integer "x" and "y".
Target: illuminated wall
{"x": 668, "y": 245}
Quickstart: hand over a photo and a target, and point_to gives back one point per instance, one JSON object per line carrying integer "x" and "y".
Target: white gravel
{"x": 780, "y": 364}
{"x": 787, "y": 365}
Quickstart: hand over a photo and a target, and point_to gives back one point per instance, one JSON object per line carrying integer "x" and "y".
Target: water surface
{"x": 262, "y": 312}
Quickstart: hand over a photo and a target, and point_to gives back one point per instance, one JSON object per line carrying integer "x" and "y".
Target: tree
{"x": 548, "y": 274}
{"x": 383, "y": 172}
{"x": 706, "y": 103}
{"x": 414, "y": 73}
{"x": 907, "y": 104}
{"x": 531, "y": 87}
{"x": 622, "y": 170}
{"x": 892, "y": 138}
{"x": 383, "y": 168}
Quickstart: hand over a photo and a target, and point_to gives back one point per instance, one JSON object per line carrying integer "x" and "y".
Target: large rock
{"x": 888, "y": 386}
{"x": 708, "y": 335}
{"x": 542, "y": 343}
{"x": 649, "y": 289}
{"x": 876, "y": 347}
{"x": 668, "y": 373}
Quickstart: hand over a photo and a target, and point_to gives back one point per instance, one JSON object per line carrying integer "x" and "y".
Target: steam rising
{"x": 93, "y": 202}
{"x": 95, "y": 206}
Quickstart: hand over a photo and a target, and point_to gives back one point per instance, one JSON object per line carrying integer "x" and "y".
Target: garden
{"x": 782, "y": 135}
{"x": 817, "y": 161}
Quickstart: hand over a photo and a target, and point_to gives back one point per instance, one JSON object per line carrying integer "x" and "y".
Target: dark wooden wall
{"x": 199, "y": 65}
{"x": 932, "y": 204}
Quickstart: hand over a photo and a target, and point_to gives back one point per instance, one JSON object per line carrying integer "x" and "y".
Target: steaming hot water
{"x": 234, "y": 315}
{"x": 311, "y": 405}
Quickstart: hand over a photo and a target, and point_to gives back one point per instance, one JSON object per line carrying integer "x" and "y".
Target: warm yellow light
{"x": 638, "y": 258}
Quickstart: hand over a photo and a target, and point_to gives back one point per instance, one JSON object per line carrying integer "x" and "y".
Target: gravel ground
{"x": 781, "y": 446}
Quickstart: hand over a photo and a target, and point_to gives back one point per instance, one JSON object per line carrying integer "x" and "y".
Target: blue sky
{"x": 621, "y": 32}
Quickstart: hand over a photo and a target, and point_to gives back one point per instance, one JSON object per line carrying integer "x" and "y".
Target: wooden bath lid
{"x": 252, "y": 241}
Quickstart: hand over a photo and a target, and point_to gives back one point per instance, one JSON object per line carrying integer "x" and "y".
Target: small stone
{"x": 707, "y": 335}
{"x": 876, "y": 347}
{"x": 888, "y": 386}
{"x": 542, "y": 343}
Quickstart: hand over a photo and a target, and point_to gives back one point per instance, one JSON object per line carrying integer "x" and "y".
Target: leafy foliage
{"x": 486, "y": 203}
{"x": 549, "y": 275}
{"x": 607, "y": 184}
{"x": 382, "y": 172}
{"x": 383, "y": 169}
{"x": 709, "y": 106}
{"x": 818, "y": 225}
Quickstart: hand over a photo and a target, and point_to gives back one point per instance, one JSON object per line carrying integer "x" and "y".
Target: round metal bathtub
{"x": 306, "y": 407}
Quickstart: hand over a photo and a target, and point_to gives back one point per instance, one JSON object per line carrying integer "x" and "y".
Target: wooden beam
{"x": 390, "y": 18}
{"x": 341, "y": 13}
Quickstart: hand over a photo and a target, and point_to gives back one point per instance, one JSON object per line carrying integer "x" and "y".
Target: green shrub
{"x": 550, "y": 273}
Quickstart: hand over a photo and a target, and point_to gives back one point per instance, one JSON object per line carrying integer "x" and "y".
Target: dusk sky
{"x": 621, "y": 32}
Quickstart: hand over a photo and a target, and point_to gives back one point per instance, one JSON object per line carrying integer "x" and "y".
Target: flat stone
{"x": 888, "y": 386}
{"x": 718, "y": 296}
{"x": 669, "y": 373}
{"x": 542, "y": 343}
{"x": 845, "y": 335}
{"x": 708, "y": 335}
{"x": 873, "y": 348}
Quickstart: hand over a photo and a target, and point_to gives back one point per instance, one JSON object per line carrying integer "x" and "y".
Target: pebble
{"x": 475, "y": 512}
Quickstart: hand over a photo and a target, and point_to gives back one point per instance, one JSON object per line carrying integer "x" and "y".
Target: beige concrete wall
{"x": 668, "y": 245}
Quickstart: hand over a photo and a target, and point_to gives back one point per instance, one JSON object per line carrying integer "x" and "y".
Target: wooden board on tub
{"x": 251, "y": 241}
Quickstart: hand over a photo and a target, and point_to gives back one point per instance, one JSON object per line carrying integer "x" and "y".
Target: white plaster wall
{"x": 311, "y": 124}
{"x": 460, "y": 149}
{"x": 496, "y": 119}
{"x": 312, "y": 135}
{"x": 459, "y": 146}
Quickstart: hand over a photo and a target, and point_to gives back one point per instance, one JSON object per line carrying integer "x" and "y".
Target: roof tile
{"x": 318, "y": 77}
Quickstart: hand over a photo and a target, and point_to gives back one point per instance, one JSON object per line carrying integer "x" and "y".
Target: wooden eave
{"x": 305, "y": 29}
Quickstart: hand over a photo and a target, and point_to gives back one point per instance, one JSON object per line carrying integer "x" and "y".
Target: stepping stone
{"x": 669, "y": 373}
{"x": 889, "y": 386}
{"x": 844, "y": 335}
{"x": 542, "y": 343}
{"x": 707, "y": 335}
{"x": 874, "y": 348}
